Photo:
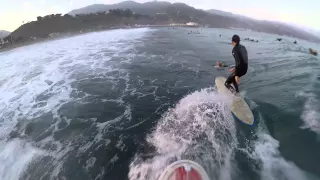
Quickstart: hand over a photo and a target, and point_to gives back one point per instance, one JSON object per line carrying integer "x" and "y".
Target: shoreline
{"x": 27, "y": 43}
{"x": 71, "y": 34}
{"x": 56, "y": 37}
{"x": 80, "y": 32}
{"x": 40, "y": 40}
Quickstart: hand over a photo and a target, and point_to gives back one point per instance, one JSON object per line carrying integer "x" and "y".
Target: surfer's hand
{"x": 232, "y": 69}
{"x": 237, "y": 79}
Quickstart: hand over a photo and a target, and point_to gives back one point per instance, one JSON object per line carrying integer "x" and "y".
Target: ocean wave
{"x": 274, "y": 166}
{"x": 311, "y": 108}
{"x": 200, "y": 128}
{"x": 15, "y": 156}
{"x": 43, "y": 88}
{"x": 311, "y": 113}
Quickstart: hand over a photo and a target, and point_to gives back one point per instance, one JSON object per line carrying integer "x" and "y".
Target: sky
{"x": 303, "y": 13}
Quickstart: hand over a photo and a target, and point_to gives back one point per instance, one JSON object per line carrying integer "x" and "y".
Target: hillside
{"x": 55, "y": 24}
{"x": 228, "y": 14}
{"x": 130, "y": 13}
{"x": 149, "y": 8}
{"x": 180, "y": 12}
{"x": 267, "y": 26}
{"x": 4, "y": 33}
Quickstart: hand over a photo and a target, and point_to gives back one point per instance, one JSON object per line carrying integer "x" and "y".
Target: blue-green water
{"x": 124, "y": 104}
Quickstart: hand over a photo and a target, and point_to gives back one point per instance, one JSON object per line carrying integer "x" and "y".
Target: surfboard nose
{"x": 184, "y": 170}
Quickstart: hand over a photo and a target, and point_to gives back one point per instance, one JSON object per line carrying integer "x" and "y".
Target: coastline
{"x": 71, "y": 34}
{"x": 27, "y": 43}
{"x": 60, "y": 36}
{"x": 40, "y": 40}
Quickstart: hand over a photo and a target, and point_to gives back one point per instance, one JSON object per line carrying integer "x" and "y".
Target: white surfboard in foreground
{"x": 239, "y": 108}
{"x": 184, "y": 170}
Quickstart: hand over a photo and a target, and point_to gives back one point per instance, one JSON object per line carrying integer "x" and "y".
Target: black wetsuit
{"x": 240, "y": 55}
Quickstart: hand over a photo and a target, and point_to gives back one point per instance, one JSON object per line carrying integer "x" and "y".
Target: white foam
{"x": 15, "y": 157}
{"x": 265, "y": 151}
{"x": 40, "y": 78}
{"x": 274, "y": 166}
{"x": 311, "y": 112}
{"x": 200, "y": 126}
{"x": 186, "y": 130}
{"x": 90, "y": 163}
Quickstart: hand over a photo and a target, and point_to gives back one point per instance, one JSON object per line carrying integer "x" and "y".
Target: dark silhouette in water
{"x": 279, "y": 39}
{"x": 252, "y": 40}
{"x": 313, "y": 52}
{"x": 220, "y": 35}
{"x": 196, "y": 32}
{"x": 295, "y": 42}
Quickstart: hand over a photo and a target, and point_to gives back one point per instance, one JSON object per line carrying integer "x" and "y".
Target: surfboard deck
{"x": 184, "y": 170}
{"x": 239, "y": 108}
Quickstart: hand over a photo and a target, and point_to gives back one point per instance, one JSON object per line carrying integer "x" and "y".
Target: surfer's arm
{"x": 237, "y": 65}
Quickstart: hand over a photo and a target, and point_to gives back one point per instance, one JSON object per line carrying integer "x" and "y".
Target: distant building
{"x": 176, "y": 24}
{"x": 192, "y": 24}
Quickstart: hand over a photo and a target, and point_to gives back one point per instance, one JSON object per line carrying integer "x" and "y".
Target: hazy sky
{"x": 301, "y": 12}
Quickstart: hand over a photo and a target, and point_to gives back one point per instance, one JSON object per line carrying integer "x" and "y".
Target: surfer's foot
{"x": 228, "y": 86}
{"x": 233, "y": 91}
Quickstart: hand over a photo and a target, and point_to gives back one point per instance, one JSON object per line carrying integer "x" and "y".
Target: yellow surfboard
{"x": 239, "y": 108}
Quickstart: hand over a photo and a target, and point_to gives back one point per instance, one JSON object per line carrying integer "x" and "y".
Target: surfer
{"x": 221, "y": 64}
{"x": 240, "y": 55}
{"x": 313, "y": 52}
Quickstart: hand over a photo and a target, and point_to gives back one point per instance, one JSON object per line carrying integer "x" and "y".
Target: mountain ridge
{"x": 4, "y": 33}
{"x": 211, "y": 18}
{"x": 156, "y": 13}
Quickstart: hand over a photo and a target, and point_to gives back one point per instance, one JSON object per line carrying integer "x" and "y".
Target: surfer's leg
{"x": 235, "y": 84}
{"x": 230, "y": 79}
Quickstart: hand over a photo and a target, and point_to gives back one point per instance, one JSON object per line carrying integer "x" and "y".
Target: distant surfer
{"x": 313, "y": 52}
{"x": 221, "y": 64}
{"x": 240, "y": 55}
